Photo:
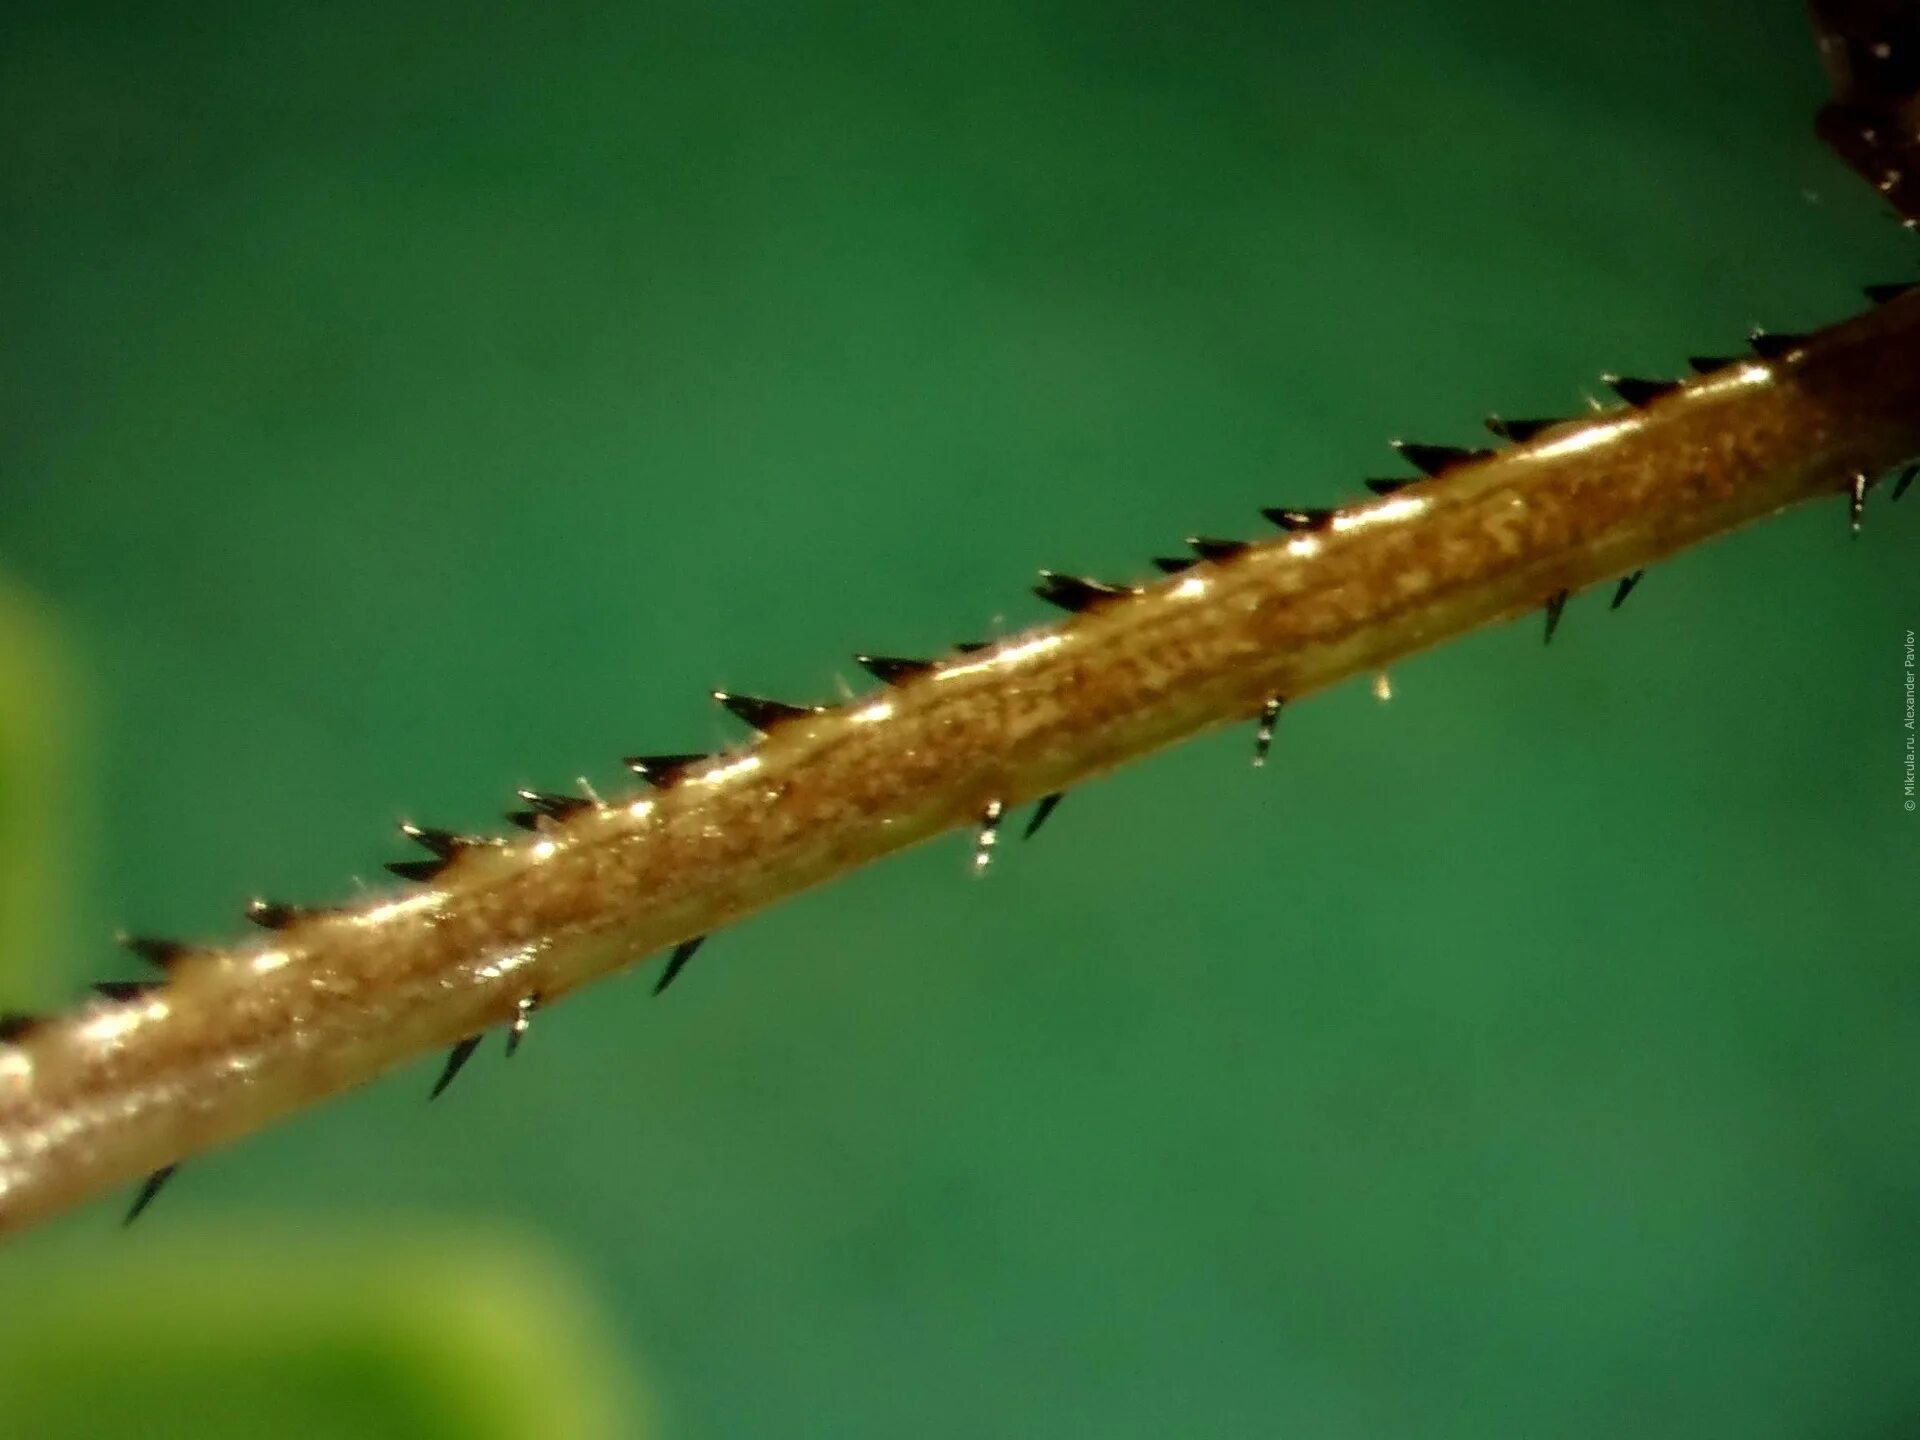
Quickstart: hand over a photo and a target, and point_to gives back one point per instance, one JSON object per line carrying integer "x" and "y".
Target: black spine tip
{"x": 1625, "y": 588}
{"x": 1386, "y": 487}
{"x": 1886, "y": 294}
{"x": 1774, "y": 345}
{"x": 891, "y": 669}
{"x": 1263, "y": 733}
{"x": 972, "y": 647}
{"x": 420, "y": 871}
{"x": 760, "y": 714}
{"x": 149, "y": 1188}
{"x": 161, "y": 954}
{"x": 1076, "y": 593}
{"x": 661, "y": 770}
{"x": 1310, "y": 518}
{"x": 1637, "y": 392}
{"x": 1905, "y": 480}
{"x": 16, "y": 1025}
{"x": 1209, "y": 548}
{"x": 1707, "y": 364}
{"x": 1518, "y": 431}
{"x": 457, "y": 1059}
{"x": 1174, "y": 564}
{"x": 677, "y": 961}
{"x": 522, "y": 1019}
{"x": 273, "y": 915}
{"x": 1042, "y": 813}
{"x": 554, "y": 807}
{"x": 1435, "y": 459}
{"x": 1556, "y": 603}
{"x": 442, "y": 844}
{"x": 123, "y": 990}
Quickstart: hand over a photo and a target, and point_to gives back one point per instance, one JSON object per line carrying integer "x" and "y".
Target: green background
{"x": 403, "y": 402}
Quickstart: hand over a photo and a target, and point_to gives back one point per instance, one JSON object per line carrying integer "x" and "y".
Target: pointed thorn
{"x": 1556, "y": 603}
{"x": 149, "y": 1188}
{"x": 1884, "y": 294}
{"x": 988, "y": 837}
{"x": 1311, "y": 518}
{"x": 523, "y": 819}
{"x": 1856, "y": 501}
{"x": 1263, "y": 735}
{"x": 677, "y": 961}
{"x": 522, "y": 1018}
{"x": 758, "y": 714}
{"x": 123, "y": 990}
{"x": 161, "y": 954}
{"x": 1519, "y": 431}
{"x": 1906, "y": 479}
{"x": 1048, "y": 804}
{"x": 972, "y": 647}
{"x": 662, "y": 770}
{"x": 555, "y": 807}
{"x": 1208, "y": 548}
{"x": 1174, "y": 564}
{"x": 1435, "y": 459}
{"x": 1076, "y": 593}
{"x": 1769, "y": 345}
{"x": 891, "y": 669}
{"x": 16, "y": 1025}
{"x": 442, "y": 844}
{"x": 1707, "y": 364}
{"x": 420, "y": 871}
{"x": 1625, "y": 588}
{"x": 273, "y": 915}
{"x": 457, "y": 1059}
{"x": 1639, "y": 393}
{"x": 1386, "y": 487}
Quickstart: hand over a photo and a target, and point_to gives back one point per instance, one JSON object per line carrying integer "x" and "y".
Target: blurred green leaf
{"x": 417, "y": 1336}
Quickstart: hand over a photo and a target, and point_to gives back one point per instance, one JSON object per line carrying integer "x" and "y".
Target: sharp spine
{"x": 1556, "y": 603}
{"x": 1637, "y": 392}
{"x": 677, "y": 961}
{"x": 441, "y": 844}
{"x": 149, "y": 1188}
{"x": 1042, "y": 812}
{"x": 662, "y": 770}
{"x": 124, "y": 990}
{"x": 1209, "y": 548}
{"x": 1883, "y": 294}
{"x": 988, "y": 835}
{"x": 891, "y": 669}
{"x": 1076, "y": 593}
{"x": 553, "y": 806}
{"x": 1386, "y": 487}
{"x": 1174, "y": 564}
{"x": 275, "y": 915}
{"x": 161, "y": 954}
{"x": 1309, "y": 518}
{"x": 1707, "y": 364}
{"x": 1263, "y": 733}
{"x": 522, "y": 1018}
{"x": 1774, "y": 345}
{"x": 1625, "y": 588}
{"x": 457, "y": 1059}
{"x": 1906, "y": 479}
{"x": 1518, "y": 431}
{"x": 16, "y": 1025}
{"x": 1436, "y": 459}
{"x": 760, "y": 714}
